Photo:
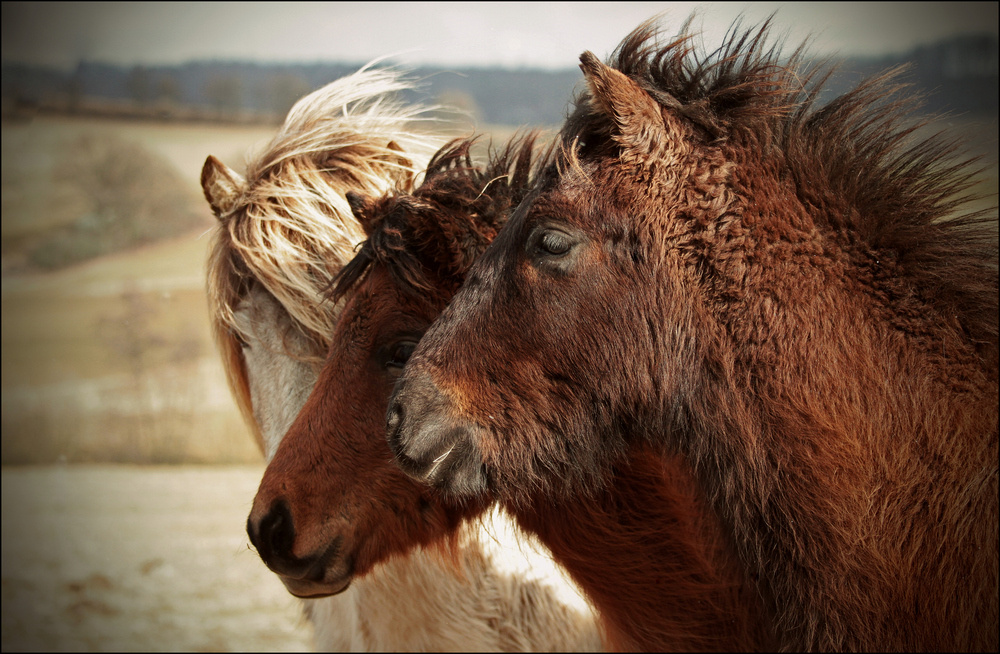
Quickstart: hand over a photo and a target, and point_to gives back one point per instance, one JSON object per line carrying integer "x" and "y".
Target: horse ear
{"x": 400, "y": 167}
{"x": 222, "y": 186}
{"x": 642, "y": 126}
{"x": 358, "y": 204}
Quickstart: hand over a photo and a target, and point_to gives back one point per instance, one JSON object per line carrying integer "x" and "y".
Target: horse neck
{"x": 839, "y": 451}
{"x": 655, "y": 565}
{"x": 279, "y": 382}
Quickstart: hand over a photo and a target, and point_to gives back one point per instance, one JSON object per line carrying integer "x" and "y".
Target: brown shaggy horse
{"x": 776, "y": 299}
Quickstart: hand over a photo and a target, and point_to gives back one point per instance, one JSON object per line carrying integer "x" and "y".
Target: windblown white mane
{"x": 284, "y": 232}
{"x": 288, "y": 226}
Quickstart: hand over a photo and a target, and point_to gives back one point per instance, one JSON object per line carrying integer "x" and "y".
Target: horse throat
{"x": 653, "y": 560}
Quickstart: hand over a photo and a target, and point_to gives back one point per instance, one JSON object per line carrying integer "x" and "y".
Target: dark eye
{"x": 238, "y": 337}
{"x": 587, "y": 142}
{"x": 554, "y": 242}
{"x": 399, "y": 355}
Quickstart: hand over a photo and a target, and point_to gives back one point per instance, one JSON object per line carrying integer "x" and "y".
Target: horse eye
{"x": 238, "y": 337}
{"x": 555, "y": 243}
{"x": 400, "y": 354}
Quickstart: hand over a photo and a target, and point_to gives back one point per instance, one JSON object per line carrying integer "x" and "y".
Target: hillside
{"x": 111, "y": 359}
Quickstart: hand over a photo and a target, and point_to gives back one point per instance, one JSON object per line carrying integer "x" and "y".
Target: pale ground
{"x": 129, "y": 558}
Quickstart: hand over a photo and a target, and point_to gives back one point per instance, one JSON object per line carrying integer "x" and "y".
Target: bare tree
{"x": 168, "y": 90}
{"x": 281, "y": 90}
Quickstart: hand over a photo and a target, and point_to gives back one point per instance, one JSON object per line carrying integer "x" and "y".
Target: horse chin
{"x": 307, "y": 589}
{"x": 324, "y": 577}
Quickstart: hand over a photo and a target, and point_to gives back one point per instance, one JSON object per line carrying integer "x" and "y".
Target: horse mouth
{"x": 322, "y": 579}
{"x": 307, "y": 589}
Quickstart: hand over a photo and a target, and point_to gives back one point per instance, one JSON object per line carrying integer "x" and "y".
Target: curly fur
{"x": 789, "y": 299}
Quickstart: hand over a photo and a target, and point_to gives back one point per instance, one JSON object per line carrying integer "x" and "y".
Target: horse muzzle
{"x": 326, "y": 572}
{"x": 429, "y": 443}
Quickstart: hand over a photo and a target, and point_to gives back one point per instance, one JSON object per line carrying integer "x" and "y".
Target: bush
{"x": 131, "y": 197}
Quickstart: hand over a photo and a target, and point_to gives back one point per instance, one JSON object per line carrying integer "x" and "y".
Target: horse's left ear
{"x": 642, "y": 126}
{"x": 222, "y": 186}
{"x": 359, "y": 206}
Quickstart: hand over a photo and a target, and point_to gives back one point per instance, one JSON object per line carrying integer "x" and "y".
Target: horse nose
{"x": 429, "y": 443}
{"x": 412, "y": 457}
{"x": 324, "y": 570}
{"x": 273, "y": 535}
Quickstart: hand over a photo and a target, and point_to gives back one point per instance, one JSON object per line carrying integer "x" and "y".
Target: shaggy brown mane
{"x": 407, "y": 233}
{"x": 903, "y": 218}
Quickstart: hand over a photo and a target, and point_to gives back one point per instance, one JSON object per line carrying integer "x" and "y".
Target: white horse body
{"x": 498, "y": 590}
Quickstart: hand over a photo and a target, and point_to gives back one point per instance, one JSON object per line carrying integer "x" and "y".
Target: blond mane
{"x": 289, "y": 226}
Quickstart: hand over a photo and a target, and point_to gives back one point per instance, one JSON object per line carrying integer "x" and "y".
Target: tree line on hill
{"x": 957, "y": 75}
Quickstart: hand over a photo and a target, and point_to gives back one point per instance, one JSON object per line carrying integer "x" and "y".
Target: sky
{"x": 532, "y": 34}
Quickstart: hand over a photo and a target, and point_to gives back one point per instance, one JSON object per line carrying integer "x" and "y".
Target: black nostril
{"x": 252, "y": 533}
{"x": 275, "y": 535}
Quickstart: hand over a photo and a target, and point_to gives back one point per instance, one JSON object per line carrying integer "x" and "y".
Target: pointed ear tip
{"x": 589, "y": 59}
{"x": 211, "y": 168}
{"x": 355, "y": 200}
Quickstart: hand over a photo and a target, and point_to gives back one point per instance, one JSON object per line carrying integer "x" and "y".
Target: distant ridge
{"x": 958, "y": 75}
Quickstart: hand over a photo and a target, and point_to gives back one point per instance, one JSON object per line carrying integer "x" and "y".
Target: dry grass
{"x": 111, "y": 360}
